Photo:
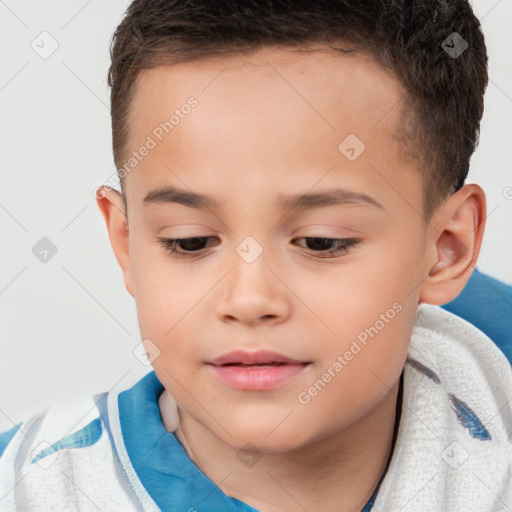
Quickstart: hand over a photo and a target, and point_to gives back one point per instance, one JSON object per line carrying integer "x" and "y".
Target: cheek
{"x": 373, "y": 342}
{"x": 163, "y": 292}
{"x": 369, "y": 364}
{"x": 374, "y": 286}
{"x": 170, "y": 306}
{"x": 370, "y": 312}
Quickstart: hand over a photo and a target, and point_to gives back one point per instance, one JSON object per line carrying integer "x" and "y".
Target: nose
{"x": 254, "y": 293}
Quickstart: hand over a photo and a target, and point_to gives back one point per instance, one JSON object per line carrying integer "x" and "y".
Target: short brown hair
{"x": 414, "y": 39}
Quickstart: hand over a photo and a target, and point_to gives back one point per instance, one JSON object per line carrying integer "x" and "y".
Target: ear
{"x": 454, "y": 242}
{"x": 110, "y": 203}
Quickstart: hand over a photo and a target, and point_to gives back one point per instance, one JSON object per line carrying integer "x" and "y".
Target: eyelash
{"x": 345, "y": 244}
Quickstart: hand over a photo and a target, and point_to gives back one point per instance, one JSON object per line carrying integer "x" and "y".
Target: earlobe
{"x": 110, "y": 203}
{"x": 458, "y": 238}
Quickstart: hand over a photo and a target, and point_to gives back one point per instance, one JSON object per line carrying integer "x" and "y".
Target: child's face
{"x": 264, "y": 127}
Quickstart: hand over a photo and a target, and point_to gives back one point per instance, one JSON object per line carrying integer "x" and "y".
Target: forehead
{"x": 270, "y": 118}
{"x": 316, "y": 76}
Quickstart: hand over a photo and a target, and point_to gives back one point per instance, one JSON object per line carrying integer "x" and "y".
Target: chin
{"x": 262, "y": 436}
{"x": 260, "y": 444}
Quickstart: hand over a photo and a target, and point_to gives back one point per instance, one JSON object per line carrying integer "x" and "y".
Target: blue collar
{"x": 167, "y": 473}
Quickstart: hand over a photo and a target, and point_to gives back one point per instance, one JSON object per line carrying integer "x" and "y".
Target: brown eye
{"x": 325, "y": 245}
{"x": 186, "y": 245}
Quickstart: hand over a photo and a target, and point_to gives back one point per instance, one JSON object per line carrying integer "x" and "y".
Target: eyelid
{"x": 344, "y": 232}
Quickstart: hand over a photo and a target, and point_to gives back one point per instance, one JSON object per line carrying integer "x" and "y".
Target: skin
{"x": 267, "y": 124}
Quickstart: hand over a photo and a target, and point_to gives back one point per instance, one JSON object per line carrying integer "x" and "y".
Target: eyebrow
{"x": 302, "y": 201}
{"x": 184, "y": 197}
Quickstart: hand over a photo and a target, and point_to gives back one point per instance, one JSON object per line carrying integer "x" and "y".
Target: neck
{"x": 339, "y": 472}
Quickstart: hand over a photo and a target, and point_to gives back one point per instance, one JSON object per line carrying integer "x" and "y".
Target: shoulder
{"x": 441, "y": 334}
{"x": 465, "y": 364}
{"x": 45, "y": 459}
{"x": 65, "y": 424}
{"x": 486, "y": 302}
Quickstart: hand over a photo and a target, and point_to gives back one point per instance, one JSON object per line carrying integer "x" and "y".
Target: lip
{"x": 256, "y": 371}
{"x": 260, "y": 357}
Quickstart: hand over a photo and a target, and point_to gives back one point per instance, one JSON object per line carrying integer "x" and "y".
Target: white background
{"x": 69, "y": 326}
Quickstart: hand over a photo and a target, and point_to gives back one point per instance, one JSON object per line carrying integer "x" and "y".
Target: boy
{"x": 290, "y": 376}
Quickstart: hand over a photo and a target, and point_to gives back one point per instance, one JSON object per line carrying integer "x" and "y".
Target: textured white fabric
{"x": 80, "y": 479}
